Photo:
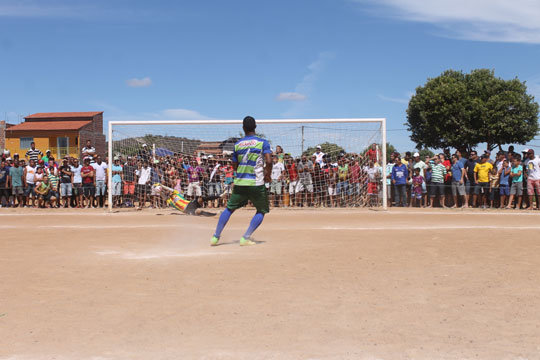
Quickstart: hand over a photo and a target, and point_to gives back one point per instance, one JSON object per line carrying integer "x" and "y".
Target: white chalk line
{"x": 157, "y": 254}
{"x": 398, "y": 227}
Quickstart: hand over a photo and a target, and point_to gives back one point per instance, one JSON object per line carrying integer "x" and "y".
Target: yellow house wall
{"x": 43, "y": 142}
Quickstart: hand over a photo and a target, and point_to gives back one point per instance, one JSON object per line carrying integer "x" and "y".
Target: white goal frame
{"x": 382, "y": 121}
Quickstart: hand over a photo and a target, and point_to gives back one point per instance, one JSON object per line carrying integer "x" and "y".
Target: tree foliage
{"x": 460, "y": 111}
{"x": 328, "y": 148}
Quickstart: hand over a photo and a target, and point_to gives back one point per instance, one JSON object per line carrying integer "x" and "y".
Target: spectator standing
{"x": 504, "y": 185}
{"x": 17, "y": 180}
{"x": 343, "y": 184}
{"x": 46, "y": 157}
{"x": 214, "y": 181}
{"x": 372, "y": 153}
{"x": 88, "y": 150}
{"x": 319, "y": 155}
{"x": 128, "y": 178}
{"x": 4, "y": 184}
{"x": 195, "y": 174}
{"x": 33, "y": 153}
{"x": 458, "y": 182}
{"x": 117, "y": 173}
{"x": 54, "y": 179}
{"x": 66, "y": 181}
{"x": 400, "y": 173}
{"x": 419, "y": 164}
{"x": 89, "y": 182}
{"x": 143, "y": 183}
{"x": 292, "y": 177}
{"x": 533, "y": 178}
{"x": 29, "y": 184}
{"x": 277, "y": 177}
{"x": 494, "y": 195}
{"x": 516, "y": 189}
{"x": 416, "y": 192}
{"x": 77, "y": 183}
{"x": 100, "y": 171}
{"x": 373, "y": 176}
{"x": 144, "y": 154}
{"x": 438, "y": 171}
{"x": 389, "y": 168}
{"x": 470, "y": 183}
{"x": 354, "y": 181}
{"x": 305, "y": 183}
{"x": 481, "y": 178}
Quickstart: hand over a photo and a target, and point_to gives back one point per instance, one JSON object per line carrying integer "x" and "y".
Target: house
{"x": 3, "y": 127}
{"x": 216, "y": 148}
{"x": 64, "y": 133}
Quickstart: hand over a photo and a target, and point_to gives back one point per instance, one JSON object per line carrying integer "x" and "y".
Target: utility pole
{"x": 302, "y": 139}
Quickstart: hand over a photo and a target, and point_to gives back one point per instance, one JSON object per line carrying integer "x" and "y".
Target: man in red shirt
{"x": 292, "y": 175}
{"x": 372, "y": 153}
{"x": 88, "y": 182}
{"x": 354, "y": 181}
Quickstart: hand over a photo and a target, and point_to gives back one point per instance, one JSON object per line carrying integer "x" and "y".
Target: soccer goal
{"x": 323, "y": 162}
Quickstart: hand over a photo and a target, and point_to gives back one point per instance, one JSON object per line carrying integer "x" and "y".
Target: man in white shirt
{"x": 77, "y": 182}
{"x": 29, "y": 183}
{"x": 533, "y": 177}
{"x": 319, "y": 156}
{"x": 143, "y": 183}
{"x": 88, "y": 150}
{"x": 100, "y": 169}
{"x": 277, "y": 181}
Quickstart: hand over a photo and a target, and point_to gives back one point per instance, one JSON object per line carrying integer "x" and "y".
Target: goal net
{"x": 321, "y": 162}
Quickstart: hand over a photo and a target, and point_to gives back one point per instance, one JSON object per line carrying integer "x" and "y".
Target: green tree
{"x": 328, "y": 148}
{"x": 460, "y": 111}
{"x": 425, "y": 152}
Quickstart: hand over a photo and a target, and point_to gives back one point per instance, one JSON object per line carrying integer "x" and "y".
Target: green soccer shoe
{"x": 246, "y": 242}
{"x": 214, "y": 241}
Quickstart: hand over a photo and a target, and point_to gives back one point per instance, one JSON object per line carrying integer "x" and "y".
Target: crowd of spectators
{"x": 317, "y": 180}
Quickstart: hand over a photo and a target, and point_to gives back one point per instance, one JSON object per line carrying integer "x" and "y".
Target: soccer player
{"x": 252, "y": 160}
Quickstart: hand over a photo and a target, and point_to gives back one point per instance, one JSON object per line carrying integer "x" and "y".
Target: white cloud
{"x": 182, "y": 114}
{"x": 144, "y": 82}
{"x": 394, "y": 100}
{"x": 32, "y": 9}
{"x": 291, "y": 96}
{"x": 482, "y": 20}
{"x": 307, "y": 84}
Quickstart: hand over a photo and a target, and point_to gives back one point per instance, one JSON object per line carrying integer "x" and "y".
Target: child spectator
{"x": 116, "y": 170}
{"x": 493, "y": 186}
{"x": 417, "y": 181}
{"x": 504, "y": 186}
{"x": 516, "y": 189}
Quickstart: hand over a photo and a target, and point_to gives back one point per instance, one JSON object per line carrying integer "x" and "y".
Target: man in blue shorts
{"x": 252, "y": 161}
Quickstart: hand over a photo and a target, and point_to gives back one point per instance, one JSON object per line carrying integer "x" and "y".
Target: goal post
{"x": 297, "y": 137}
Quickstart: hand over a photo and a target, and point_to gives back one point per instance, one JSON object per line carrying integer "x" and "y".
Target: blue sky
{"x": 271, "y": 59}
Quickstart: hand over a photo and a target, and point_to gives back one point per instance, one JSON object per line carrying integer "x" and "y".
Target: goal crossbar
{"x": 382, "y": 121}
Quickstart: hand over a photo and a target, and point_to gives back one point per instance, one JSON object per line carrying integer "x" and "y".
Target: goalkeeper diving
{"x": 177, "y": 201}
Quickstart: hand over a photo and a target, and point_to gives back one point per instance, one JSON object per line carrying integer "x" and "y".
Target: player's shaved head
{"x": 249, "y": 124}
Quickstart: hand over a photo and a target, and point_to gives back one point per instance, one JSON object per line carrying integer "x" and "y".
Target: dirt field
{"x": 342, "y": 284}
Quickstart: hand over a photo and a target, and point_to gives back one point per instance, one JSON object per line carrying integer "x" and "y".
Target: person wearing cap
{"x": 33, "y": 153}
{"x": 117, "y": 172}
{"x": 533, "y": 178}
{"x": 470, "y": 184}
{"x": 319, "y": 155}
{"x": 481, "y": 178}
{"x": 438, "y": 172}
{"x": 400, "y": 173}
{"x": 144, "y": 153}
{"x": 46, "y": 157}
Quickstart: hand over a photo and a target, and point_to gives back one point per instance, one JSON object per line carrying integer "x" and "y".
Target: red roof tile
{"x": 49, "y": 125}
{"x": 84, "y": 114}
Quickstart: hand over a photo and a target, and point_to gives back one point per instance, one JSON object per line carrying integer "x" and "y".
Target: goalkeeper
{"x": 252, "y": 161}
{"x": 194, "y": 207}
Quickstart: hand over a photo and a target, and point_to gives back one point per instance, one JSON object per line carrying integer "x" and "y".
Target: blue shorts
{"x": 504, "y": 189}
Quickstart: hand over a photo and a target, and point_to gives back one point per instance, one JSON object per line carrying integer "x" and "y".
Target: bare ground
{"x": 340, "y": 284}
